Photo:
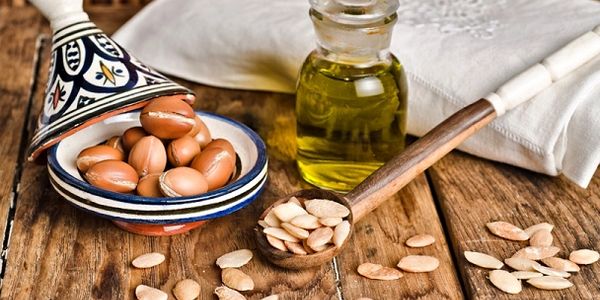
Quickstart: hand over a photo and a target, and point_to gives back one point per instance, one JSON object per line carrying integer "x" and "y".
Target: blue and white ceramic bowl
{"x": 251, "y": 175}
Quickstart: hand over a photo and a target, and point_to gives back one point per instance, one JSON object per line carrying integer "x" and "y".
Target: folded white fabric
{"x": 455, "y": 52}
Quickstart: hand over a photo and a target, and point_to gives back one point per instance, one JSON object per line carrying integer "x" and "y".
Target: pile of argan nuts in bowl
{"x": 171, "y": 155}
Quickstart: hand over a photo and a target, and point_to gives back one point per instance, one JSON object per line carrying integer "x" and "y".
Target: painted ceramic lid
{"x": 91, "y": 77}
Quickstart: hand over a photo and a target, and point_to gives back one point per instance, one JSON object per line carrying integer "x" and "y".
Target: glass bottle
{"x": 351, "y": 94}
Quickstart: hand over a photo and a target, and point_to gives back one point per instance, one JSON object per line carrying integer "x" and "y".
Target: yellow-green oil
{"x": 350, "y": 119}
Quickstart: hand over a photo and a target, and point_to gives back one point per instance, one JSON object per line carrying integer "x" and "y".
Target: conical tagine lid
{"x": 91, "y": 77}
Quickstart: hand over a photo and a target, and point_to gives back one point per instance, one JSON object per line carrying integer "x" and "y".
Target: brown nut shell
{"x": 92, "y": 155}
{"x": 182, "y": 151}
{"x": 200, "y": 132}
{"x": 216, "y": 164}
{"x": 148, "y": 186}
{"x": 224, "y": 144}
{"x": 112, "y": 175}
{"x": 132, "y": 136}
{"x": 168, "y": 117}
{"x": 182, "y": 181}
{"x": 116, "y": 143}
{"x": 148, "y": 156}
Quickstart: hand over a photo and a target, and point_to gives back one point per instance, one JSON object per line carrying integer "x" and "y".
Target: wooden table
{"x": 53, "y": 251}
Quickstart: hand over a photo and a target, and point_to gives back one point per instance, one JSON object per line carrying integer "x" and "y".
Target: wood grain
{"x": 473, "y": 192}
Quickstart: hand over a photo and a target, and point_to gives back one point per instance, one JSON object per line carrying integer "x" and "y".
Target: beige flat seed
{"x": 295, "y": 248}
{"x": 526, "y": 274}
{"x": 306, "y": 222}
{"x": 420, "y": 240}
{"x": 276, "y": 243}
{"x": 507, "y": 231}
{"x": 234, "y": 259}
{"x": 584, "y": 256}
{"x": 287, "y": 211}
{"x": 521, "y": 263}
{"x": 537, "y": 253}
{"x": 551, "y": 272}
{"x": 330, "y": 222}
{"x": 272, "y": 297}
{"x": 326, "y": 208}
{"x": 321, "y": 248}
{"x": 532, "y": 229}
{"x": 295, "y": 200}
{"x": 340, "y": 233}
{"x": 378, "y": 272}
{"x": 561, "y": 264}
{"x": 263, "y": 224}
{"x": 148, "y": 260}
{"x": 186, "y": 289}
{"x": 144, "y": 292}
{"x": 418, "y": 263}
{"x": 272, "y": 219}
{"x": 550, "y": 283}
{"x": 225, "y": 293}
{"x": 280, "y": 234}
{"x": 541, "y": 238}
{"x": 483, "y": 260}
{"x": 319, "y": 237}
{"x": 295, "y": 231}
{"x": 308, "y": 249}
{"x": 237, "y": 279}
{"x": 505, "y": 281}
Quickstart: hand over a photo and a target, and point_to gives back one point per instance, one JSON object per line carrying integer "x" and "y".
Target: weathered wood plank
{"x": 473, "y": 192}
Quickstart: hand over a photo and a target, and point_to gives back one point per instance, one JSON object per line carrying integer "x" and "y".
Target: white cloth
{"x": 455, "y": 52}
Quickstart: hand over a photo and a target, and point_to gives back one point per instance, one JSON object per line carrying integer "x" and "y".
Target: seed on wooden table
{"x": 295, "y": 248}
{"x": 280, "y": 234}
{"x": 537, "y": 253}
{"x": 287, "y": 211}
{"x": 234, "y": 259}
{"x": 237, "y": 279}
{"x": 272, "y": 297}
{"x": 319, "y": 237}
{"x": 272, "y": 219}
{"x": 326, "y": 208}
{"x": 331, "y": 222}
{"x": 144, "y": 292}
{"x": 340, "y": 233}
{"x": 551, "y": 272}
{"x": 507, "y": 231}
{"x": 295, "y": 200}
{"x": 541, "y": 238}
{"x": 483, "y": 260}
{"x": 420, "y": 240}
{"x": 276, "y": 243}
{"x": 378, "y": 272}
{"x": 550, "y": 283}
{"x": 505, "y": 281}
{"x": 561, "y": 264}
{"x": 521, "y": 263}
{"x": 295, "y": 230}
{"x": 418, "y": 263}
{"x": 225, "y": 293}
{"x": 532, "y": 229}
{"x": 263, "y": 224}
{"x": 306, "y": 222}
{"x": 148, "y": 260}
{"x": 186, "y": 289}
{"x": 526, "y": 274}
{"x": 584, "y": 256}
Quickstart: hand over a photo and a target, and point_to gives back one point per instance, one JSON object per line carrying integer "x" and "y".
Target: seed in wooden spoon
{"x": 280, "y": 234}
{"x": 532, "y": 229}
{"x": 234, "y": 259}
{"x": 378, "y": 272}
{"x": 148, "y": 260}
{"x": 287, "y": 211}
{"x": 505, "y": 281}
{"x": 551, "y": 272}
{"x": 319, "y": 237}
{"x": 306, "y": 222}
{"x": 272, "y": 219}
{"x": 144, "y": 292}
{"x": 295, "y": 230}
{"x": 541, "y": 238}
{"x": 186, "y": 289}
{"x": 340, "y": 233}
{"x": 537, "y": 253}
{"x": 308, "y": 249}
{"x": 272, "y": 297}
{"x": 521, "y": 263}
{"x": 237, "y": 279}
{"x": 418, "y": 263}
{"x": 225, "y": 293}
{"x": 507, "y": 231}
{"x": 263, "y": 224}
{"x": 295, "y": 248}
{"x": 550, "y": 283}
{"x": 276, "y": 243}
{"x": 420, "y": 240}
{"x": 326, "y": 209}
{"x": 483, "y": 260}
{"x": 584, "y": 256}
{"x": 321, "y": 248}
{"x": 330, "y": 222}
{"x": 295, "y": 200}
{"x": 561, "y": 264}
{"x": 526, "y": 274}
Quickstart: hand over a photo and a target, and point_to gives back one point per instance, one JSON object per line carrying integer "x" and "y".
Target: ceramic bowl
{"x": 160, "y": 216}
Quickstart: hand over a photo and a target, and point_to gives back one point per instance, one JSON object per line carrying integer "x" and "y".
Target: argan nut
{"x": 182, "y": 181}
{"x": 92, "y": 155}
{"x": 113, "y": 175}
{"x": 200, "y": 133}
{"x": 182, "y": 151}
{"x": 132, "y": 136}
{"x": 223, "y": 144}
{"x": 116, "y": 143}
{"x": 216, "y": 164}
{"x": 148, "y": 156}
{"x": 168, "y": 117}
{"x": 148, "y": 186}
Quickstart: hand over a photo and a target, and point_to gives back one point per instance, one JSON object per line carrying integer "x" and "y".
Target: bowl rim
{"x": 261, "y": 160}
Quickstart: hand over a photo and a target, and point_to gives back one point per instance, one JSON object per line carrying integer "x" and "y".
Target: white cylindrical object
{"x": 497, "y": 103}
{"x": 524, "y": 86}
{"x": 61, "y": 13}
{"x": 573, "y": 55}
